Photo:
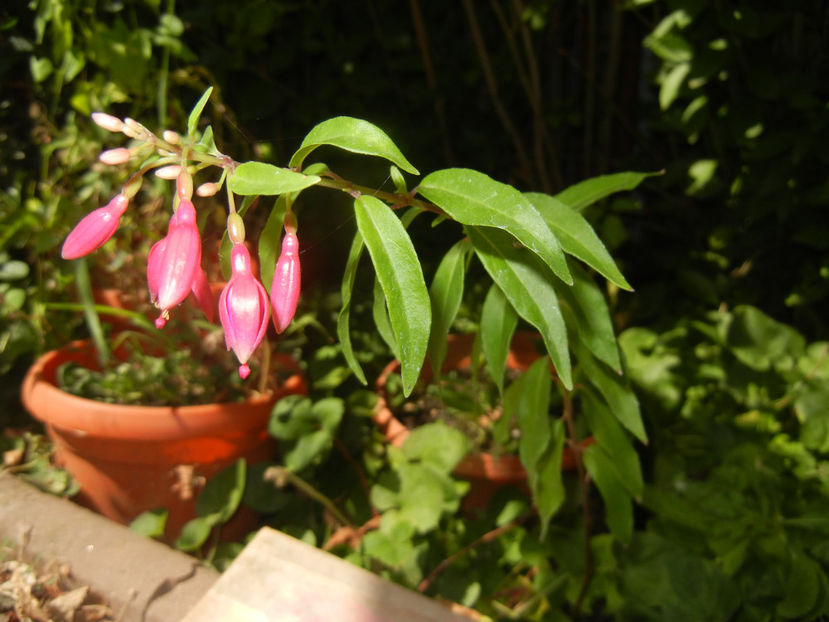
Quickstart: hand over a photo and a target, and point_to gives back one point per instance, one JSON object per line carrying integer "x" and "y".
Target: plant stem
{"x": 584, "y": 484}
{"x": 487, "y": 537}
{"x": 280, "y": 476}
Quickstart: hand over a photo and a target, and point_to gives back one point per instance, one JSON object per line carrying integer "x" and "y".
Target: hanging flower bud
{"x": 168, "y": 172}
{"x": 243, "y": 309}
{"x": 174, "y": 261}
{"x": 286, "y": 279}
{"x": 114, "y": 157}
{"x": 94, "y": 229}
{"x": 207, "y": 189}
{"x": 107, "y": 121}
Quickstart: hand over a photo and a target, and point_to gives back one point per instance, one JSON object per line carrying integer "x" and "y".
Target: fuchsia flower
{"x": 286, "y": 279}
{"x": 243, "y": 309}
{"x": 94, "y": 229}
{"x": 204, "y": 295}
{"x": 173, "y": 262}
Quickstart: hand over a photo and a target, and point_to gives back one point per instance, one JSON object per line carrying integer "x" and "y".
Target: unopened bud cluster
{"x": 174, "y": 269}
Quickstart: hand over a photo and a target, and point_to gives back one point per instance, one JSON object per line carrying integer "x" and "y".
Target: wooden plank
{"x": 278, "y": 578}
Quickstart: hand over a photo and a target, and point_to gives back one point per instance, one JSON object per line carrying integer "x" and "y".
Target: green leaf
{"x": 534, "y": 415}
{"x": 354, "y": 135}
{"x": 344, "y": 318}
{"x": 759, "y": 341}
{"x": 613, "y": 441}
{"x": 150, "y": 523}
{"x": 498, "y": 323}
{"x": 577, "y": 237}
{"x": 617, "y": 502}
{"x": 223, "y": 492}
{"x": 13, "y": 269}
{"x": 586, "y": 309}
{"x": 195, "y": 114}
{"x": 802, "y": 588}
{"x": 398, "y": 270}
{"x": 380, "y": 315}
{"x": 472, "y": 198}
{"x": 615, "y": 390}
{"x": 446, "y": 293}
{"x": 437, "y": 445}
{"x": 672, "y": 83}
{"x": 195, "y": 532}
{"x": 585, "y": 193}
{"x": 270, "y": 244}
{"x": 253, "y": 178}
{"x": 527, "y": 284}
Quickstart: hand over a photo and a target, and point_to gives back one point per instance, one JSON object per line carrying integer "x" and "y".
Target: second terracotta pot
{"x": 486, "y": 472}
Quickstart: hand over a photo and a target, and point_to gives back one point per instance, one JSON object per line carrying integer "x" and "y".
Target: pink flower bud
{"x": 171, "y": 137}
{"x": 173, "y": 262}
{"x": 94, "y": 229}
{"x": 107, "y": 121}
{"x": 207, "y": 189}
{"x": 286, "y": 279}
{"x": 243, "y": 309}
{"x": 114, "y": 157}
{"x": 168, "y": 172}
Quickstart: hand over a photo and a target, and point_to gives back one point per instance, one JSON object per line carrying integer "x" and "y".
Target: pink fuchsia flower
{"x": 286, "y": 281}
{"x": 94, "y": 229}
{"x": 243, "y": 309}
{"x": 173, "y": 262}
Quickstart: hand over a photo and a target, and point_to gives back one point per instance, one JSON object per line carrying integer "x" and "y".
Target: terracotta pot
{"x": 129, "y": 459}
{"x": 486, "y": 472}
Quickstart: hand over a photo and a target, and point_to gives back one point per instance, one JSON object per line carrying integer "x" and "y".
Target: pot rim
{"x": 85, "y": 417}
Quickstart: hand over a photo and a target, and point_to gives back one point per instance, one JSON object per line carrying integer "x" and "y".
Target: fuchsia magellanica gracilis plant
{"x": 174, "y": 267}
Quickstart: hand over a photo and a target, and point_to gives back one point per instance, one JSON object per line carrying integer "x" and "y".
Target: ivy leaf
{"x": 255, "y": 178}
{"x": 223, "y": 492}
{"x": 527, "y": 284}
{"x": 151, "y": 523}
{"x": 398, "y": 270}
{"x": 472, "y": 198}
{"x": 577, "y": 237}
{"x": 195, "y": 532}
{"x": 354, "y": 135}
{"x": 585, "y": 193}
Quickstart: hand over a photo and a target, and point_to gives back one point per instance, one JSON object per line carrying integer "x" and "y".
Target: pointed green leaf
{"x": 577, "y": 237}
{"x": 195, "y": 114}
{"x": 398, "y": 270}
{"x": 473, "y": 198}
{"x": 259, "y": 178}
{"x": 534, "y": 415}
{"x": 446, "y": 293}
{"x": 380, "y": 314}
{"x": 614, "y": 441}
{"x": 542, "y": 441}
{"x": 528, "y": 286}
{"x": 498, "y": 322}
{"x": 617, "y": 503}
{"x": 270, "y": 241}
{"x": 585, "y": 308}
{"x": 344, "y": 318}
{"x": 615, "y": 390}
{"x": 353, "y": 135}
{"x": 587, "y": 192}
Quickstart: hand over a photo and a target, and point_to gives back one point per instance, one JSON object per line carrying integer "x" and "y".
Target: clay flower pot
{"x": 129, "y": 459}
{"x": 486, "y": 472}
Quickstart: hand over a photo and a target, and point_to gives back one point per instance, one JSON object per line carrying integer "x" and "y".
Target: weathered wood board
{"x": 278, "y": 578}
